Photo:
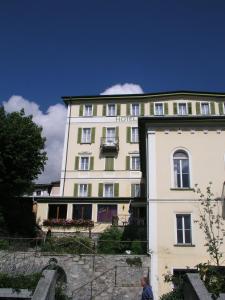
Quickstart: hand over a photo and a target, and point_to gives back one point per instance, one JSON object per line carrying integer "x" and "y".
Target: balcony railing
{"x": 110, "y": 144}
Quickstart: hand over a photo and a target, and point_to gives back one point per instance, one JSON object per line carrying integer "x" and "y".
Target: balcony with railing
{"x": 109, "y": 144}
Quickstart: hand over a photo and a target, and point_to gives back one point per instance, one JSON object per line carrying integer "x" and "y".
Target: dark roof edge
{"x": 131, "y": 96}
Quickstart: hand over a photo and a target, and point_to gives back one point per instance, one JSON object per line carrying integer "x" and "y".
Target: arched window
{"x": 181, "y": 169}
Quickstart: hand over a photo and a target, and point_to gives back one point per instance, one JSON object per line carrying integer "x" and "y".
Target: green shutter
{"x": 166, "y": 109}
{"x": 81, "y": 110}
{"x": 118, "y": 109}
{"x": 151, "y": 108}
{"x": 104, "y": 110}
{"x": 76, "y": 163}
{"x": 198, "y": 112}
{"x": 175, "y": 108}
{"x": 95, "y": 110}
{"x": 100, "y": 189}
{"x": 212, "y": 108}
{"x": 89, "y": 189}
{"x": 128, "y": 134}
{"x": 127, "y": 162}
{"x": 91, "y": 163}
{"x": 128, "y": 109}
{"x": 79, "y": 135}
{"x": 116, "y": 189}
{"x": 221, "y": 104}
{"x": 109, "y": 163}
{"x": 142, "y": 109}
{"x": 132, "y": 189}
{"x": 103, "y": 132}
{"x": 117, "y": 131}
{"x": 75, "y": 190}
{"x": 92, "y": 135}
{"x": 189, "y": 108}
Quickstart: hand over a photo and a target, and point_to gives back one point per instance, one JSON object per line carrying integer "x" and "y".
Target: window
{"x": 205, "y": 108}
{"x": 158, "y": 109}
{"x": 110, "y": 135}
{"x": 86, "y": 135}
{"x": 106, "y": 213}
{"x": 134, "y": 135}
{"x": 183, "y": 224}
{"x": 57, "y": 211}
{"x": 181, "y": 169}
{"x": 82, "y": 212}
{"x": 83, "y": 190}
{"x": 135, "y": 109}
{"x": 84, "y": 163}
{"x": 135, "y": 163}
{"x": 88, "y": 110}
{"x": 135, "y": 190}
{"x": 38, "y": 193}
{"x": 111, "y": 110}
{"x": 182, "y": 109}
{"x": 108, "y": 190}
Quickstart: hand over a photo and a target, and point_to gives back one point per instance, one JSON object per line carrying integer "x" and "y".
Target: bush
{"x": 174, "y": 295}
{"x": 137, "y": 247}
{"x": 71, "y": 245}
{"x": 4, "y": 245}
{"x": 110, "y": 241}
{"x": 18, "y": 282}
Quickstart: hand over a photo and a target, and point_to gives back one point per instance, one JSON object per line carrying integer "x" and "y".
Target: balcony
{"x": 109, "y": 144}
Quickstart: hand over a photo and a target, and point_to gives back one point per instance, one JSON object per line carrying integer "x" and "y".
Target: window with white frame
{"x": 135, "y": 190}
{"x": 110, "y": 135}
{"x": 88, "y": 110}
{"x": 182, "y": 109}
{"x": 224, "y": 107}
{"x": 183, "y": 228}
{"x": 158, "y": 109}
{"x": 84, "y": 163}
{"x": 86, "y": 135}
{"x": 205, "y": 110}
{"x": 181, "y": 169}
{"x": 135, "y": 163}
{"x": 108, "y": 190}
{"x": 83, "y": 190}
{"x": 135, "y": 109}
{"x": 111, "y": 110}
{"x": 134, "y": 135}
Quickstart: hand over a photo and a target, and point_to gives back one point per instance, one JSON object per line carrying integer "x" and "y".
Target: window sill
{"x": 184, "y": 245}
{"x": 86, "y": 143}
{"x": 182, "y": 189}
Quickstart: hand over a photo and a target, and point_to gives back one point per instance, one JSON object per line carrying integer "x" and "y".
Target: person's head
{"x": 144, "y": 281}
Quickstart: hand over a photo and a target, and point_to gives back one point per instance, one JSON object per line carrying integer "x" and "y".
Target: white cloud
{"x": 126, "y": 88}
{"x": 53, "y": 123}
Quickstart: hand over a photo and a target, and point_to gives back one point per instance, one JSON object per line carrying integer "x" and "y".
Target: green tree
{"x": 22, "y": 158}
{"x": 211, "y": 223}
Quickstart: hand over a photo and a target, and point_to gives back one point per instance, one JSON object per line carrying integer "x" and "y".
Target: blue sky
{"x": 50, "y": 48}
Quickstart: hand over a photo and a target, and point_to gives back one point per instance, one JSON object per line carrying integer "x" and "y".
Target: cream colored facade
{"x": 203, "y": 141}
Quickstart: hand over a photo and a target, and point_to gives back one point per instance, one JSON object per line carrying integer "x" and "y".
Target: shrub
{"x": 4, "y": 244}
{"x": 110, "y": 241}
{"x": 71, "y": 245}
{"x": 18, "y": 282}
{"x": 137, "y": 247}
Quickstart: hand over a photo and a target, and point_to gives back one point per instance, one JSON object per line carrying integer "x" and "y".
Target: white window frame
{"x": 107, "y": 110}
{"x": 106, "y": 135}
{"x": 131, "y": 110}
{"x": 172, "y": 169}
{"x": 175, "y": 227}
{"x": 82, "y": 136}
{"x": 131, "y": 157}
{"x": 223, "y": 107}
{"x": 205, "y": 102}
{"x": 131, "y": 135}
{"x": 84, "y": 111}
{"x": 139, "y": 185}
{"x": 84, "y": 156}
{"x": 104, "y": 193}
{"x": 161, "y": 103}
{"x": 186, "y": 105}
{"x": 79, "y": 191}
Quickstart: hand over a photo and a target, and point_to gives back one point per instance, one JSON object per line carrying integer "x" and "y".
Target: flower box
{"x": 68, "y": 223}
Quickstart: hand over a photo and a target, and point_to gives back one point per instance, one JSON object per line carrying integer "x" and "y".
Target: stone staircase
{"x": 110, "y": 279}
